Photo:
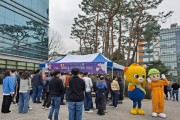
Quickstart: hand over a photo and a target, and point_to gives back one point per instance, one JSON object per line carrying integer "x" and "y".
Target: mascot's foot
{"x": 140, "y": 111}
{"x": 162, "y": 115}
{"x": 133, "y": 111}
{"x": 154, "y": 114}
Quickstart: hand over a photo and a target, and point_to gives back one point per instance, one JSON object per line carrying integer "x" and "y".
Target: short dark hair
{"x": 20, "y": 72}
{"x": 51, "y": 74}
{"x": 38, "y": 70}
{"x": 62, "y": 73}
{"x": 56, "y": 72}
{"x": 85, "y": 73}
{"x": 46, "y": 72}
{"x": 25, "y": 75}
{"x": 80, "y": 72}
{"x": 75, "y": 71}
{"x": 101, "y": 77}
{"x": 114, "y": 77}
{"x": 13, "y": 70}
{"x": 7, "y": 73}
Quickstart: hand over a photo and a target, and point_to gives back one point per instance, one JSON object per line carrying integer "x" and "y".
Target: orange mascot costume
{"x": 156, "y": 84}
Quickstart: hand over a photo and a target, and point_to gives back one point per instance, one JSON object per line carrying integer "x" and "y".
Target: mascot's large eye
{"x": 143, "y": 76}
{"x": 136, "y": 76}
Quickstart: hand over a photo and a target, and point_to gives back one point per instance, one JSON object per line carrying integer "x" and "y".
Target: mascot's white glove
{"x": 163, "y": 76}
{"x": 149, "y": 80}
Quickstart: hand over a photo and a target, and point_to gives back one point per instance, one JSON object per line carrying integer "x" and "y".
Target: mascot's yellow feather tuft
{"x": 135, "y": 75}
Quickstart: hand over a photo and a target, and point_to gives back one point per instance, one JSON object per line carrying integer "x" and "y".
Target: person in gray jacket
{"x": 24, "y": 88}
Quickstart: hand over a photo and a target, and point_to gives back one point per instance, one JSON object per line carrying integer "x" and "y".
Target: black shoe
{"x": 34, "y": 101}
{"x": 100, "y": 113}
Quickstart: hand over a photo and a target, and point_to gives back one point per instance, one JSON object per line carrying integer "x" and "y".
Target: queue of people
{"x": 172, "y": 91}
{"x": 52, "y": 89}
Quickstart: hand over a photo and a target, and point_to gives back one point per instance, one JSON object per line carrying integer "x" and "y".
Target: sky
{"x": 63, "y": 12}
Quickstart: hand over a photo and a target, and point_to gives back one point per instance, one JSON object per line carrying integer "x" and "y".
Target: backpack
{"x": 101, "y": 88}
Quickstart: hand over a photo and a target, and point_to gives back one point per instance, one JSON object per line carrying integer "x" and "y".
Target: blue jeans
{"x": 115, "y": 97}
{"x": 88, "y": 101}
{"x": 37, "y": 90}
{"x": 75, "y": 110}
{"x": 175, "y": 92}
{"x": 55, "y": 106}
{"x": 23, "y": 102}
{"x": 67, "y": 90}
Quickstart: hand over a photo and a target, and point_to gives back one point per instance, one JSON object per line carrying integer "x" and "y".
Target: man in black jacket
{"x": 56, "y": 90}
{"x": 175, "y": 86}
{"x": 37, "y": 85}
{"x": 75, "y": 95}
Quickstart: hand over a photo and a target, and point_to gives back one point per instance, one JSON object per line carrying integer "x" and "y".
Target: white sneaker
{"x": 30, "y": 108}
{"x": 154, "y": 114}
{"x": 105, "y": 111}
{"x": 90, "y": 111}
{"x": 47, "y": 108}
{"x": 162, "y": 115}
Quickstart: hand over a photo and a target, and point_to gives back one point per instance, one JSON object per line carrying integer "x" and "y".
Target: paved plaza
{"x": 121, "y": 113}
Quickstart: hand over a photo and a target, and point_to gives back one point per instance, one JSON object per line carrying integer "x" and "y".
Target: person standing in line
{"x": 169, "y": 89}
{"x": 46, "y": 74}
{"x": 13, "y": 75}
{"x": 24, "y": 89}
{"x": 95, "y": 90}
{"x": 75, "y": 95}
{"x": 175, "y": 87}
{"x": 108, "y": 82}
{"x": 166, "y": 92}
{"x": 121, "y": 91}
{"x": 37, "y": 86}
{"x": 63, "y": 78}
{"x": 115, "y": 91}
{"x": 88, "y": 96}
{"x": 67, "y": 85}
{"x": 47, "y": 100}
{"x": 8, "y": 91}
{"x": 101, "y": 89}
{"x": 56, "y": 90}
{"x": 17, "y": 87}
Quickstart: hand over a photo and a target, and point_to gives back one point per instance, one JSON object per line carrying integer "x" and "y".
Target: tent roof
{"x": 97, "y": 57}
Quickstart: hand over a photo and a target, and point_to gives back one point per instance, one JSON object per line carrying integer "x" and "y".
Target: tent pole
{"x": 112, "y": 72}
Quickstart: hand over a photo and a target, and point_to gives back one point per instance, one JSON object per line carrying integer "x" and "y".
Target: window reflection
{"x": 23, "y": 36}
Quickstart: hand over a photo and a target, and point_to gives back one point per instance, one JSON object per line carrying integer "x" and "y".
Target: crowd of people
{"x": 75, "y": 89}
{"x": 55, "y": 89}
{"x": 171, "y": 91}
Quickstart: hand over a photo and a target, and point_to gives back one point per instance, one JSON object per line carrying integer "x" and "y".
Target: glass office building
{"x": 170, "y": 50}
{"x": 23, "y": 33}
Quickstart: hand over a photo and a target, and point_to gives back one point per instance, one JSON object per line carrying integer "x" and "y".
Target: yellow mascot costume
{"x": 135, "y": 75}
{"x": 156, "y": 83}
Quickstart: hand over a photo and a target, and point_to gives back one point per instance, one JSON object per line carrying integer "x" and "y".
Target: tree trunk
{"x": 106, "y": 47}
{"x": 112, "y": 39}
{"x": 96, "y": 40}
{"x": 119, "y": 39}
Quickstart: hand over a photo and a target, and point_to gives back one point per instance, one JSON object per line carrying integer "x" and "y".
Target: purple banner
{"x": 99, "y": 68}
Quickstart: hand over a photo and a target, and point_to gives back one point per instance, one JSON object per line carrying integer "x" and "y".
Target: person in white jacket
{"x": 88, "y": 96}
